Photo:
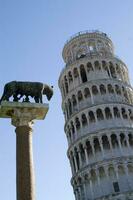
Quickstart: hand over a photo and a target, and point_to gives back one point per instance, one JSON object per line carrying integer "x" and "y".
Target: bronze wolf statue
{"x": 18, "y": 89}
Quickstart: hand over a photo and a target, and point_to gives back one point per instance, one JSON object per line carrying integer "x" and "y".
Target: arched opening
{"x": 88, "y": 148}
{"x": 111, "y": 171}
{"x": 130, "y": 139}
{"x": 108, "y": 113}
{"x": 123, "y": 140}
{"x": 87, "y": 92}
{"x": 75, "y": 73}
{"x": 105, "y": 67}
{"x": 80, "y": 96}
{"x": 97, "y": 65}
{"x": 70, "y": 78}
{"x": 93, "y": 175}
{"x": 105, "y": 142}
{"x": 114, "y": 141}
{"x": 72, "y": 158}
{"x": 102, "y": 174}
{"x": 82, "y": 153}
{"x": 118, "y": 71}
{"x": 84, "y": 120}
{"x": 69, "y": 106}
{"x": 74, "y": 101}
{"x": 89, "y": 67}
{"x": 130, "y": 114}
{"x": 117, "y": 90}
{"x": 72, "y": 127}
{"x": 77, "y": 158}
{"x": 110, "y": 89}
{"x": 102, "y": 89}
{"x": 77, "y": 122}
{"x": 83, "y": 74}
{"x": 112, "y": 70}
{"x": 91, "y": 117}
{"x": 121, "y": 170}
{"x": 99, "y": 114}
{"x": 96, "y": 145}
{"x": 94, "y": 90}
{"x": 116, "y": 112}
{"x": 124, "y": 113}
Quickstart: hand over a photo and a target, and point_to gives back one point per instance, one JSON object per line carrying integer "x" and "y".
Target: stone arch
{"x": 87, "y": 92}
{"x": 84, "y": 119}
{"x": 69, "y": 133}
{"x": 77, "y": 157}
{"x": 112, "y": 70}
{"x": 94, "y": 90}
{"x": 72, "y": 127}
{"x": 93, "y": 175}
{"x": 121, "y": 169}
{"x": 77, "y": 122}
{"x": 123, "y": 139}
{"x": 70, "y": 106}
{"x": 117, "y": 90}
{"x": 130, "y": 168}
{"x": 130, "y": 114}
{"x": 110, "y": 88}
{"x": 99, "y": 114}
{"x": 116, "y": 112}
{"x": 82, "y": 152}
{"x": 102, "y": 89}
{"x": 105, "y": 142}
{"x": 70, "y": 78}
{"x": 88, "y": 148}
{"x": 124, "y": 113}
{"x": 130, "y": 136}
{"x": 75, "y": 73}
{"x": 80, "y": 96}
{"x": 97, "y": 65}
{"x": 83, "y": 74}
{"x": 96, "y": 145}
{"x": 91, "y": 117}
{"x": 111, "y": 171}
{"x": 72, "y": 158}
{"x": 102, "y": 173}
{"x": 89, "y": 67}
{"x": 108, "y": 113}
{"x": 104, "y": 65}
{"x": 114, "y": 141}
{"x": 74, "y": 101}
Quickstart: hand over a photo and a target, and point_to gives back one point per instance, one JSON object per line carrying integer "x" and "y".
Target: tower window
{"x": 116, "y": 187}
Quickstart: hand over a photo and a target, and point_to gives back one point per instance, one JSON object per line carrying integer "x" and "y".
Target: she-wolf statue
{"x": 18, "y": 89}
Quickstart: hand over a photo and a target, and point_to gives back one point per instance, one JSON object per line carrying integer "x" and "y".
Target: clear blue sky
{"x": 32, "y": 35}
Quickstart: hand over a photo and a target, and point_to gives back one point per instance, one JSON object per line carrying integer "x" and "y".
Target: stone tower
{"x": 97, "y": 104}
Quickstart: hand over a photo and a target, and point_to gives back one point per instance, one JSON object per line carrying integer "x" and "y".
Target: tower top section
{"x": 87, "y": 43}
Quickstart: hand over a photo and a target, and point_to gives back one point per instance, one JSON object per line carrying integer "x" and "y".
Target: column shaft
{"x": 24, "y": 162}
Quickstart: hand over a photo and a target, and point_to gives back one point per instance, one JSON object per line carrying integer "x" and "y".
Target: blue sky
{"x": 32, "y": 35}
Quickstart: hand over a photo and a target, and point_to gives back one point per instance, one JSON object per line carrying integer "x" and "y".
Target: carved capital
{"x": 22, "y": 118}
{"x": 23, "y": 114}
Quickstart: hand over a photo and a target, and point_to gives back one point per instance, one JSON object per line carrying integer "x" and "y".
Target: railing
{"x": 85, "y": 32}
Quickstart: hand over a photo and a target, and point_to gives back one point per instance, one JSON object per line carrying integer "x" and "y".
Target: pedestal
{"x": 22, "y": 116}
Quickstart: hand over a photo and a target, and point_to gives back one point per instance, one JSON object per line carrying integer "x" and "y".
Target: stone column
{"x": 24, "y": 159}
{"x": 22, "y": 116}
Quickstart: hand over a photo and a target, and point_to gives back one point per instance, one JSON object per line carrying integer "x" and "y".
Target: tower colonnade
{"x": 97, "y": 103}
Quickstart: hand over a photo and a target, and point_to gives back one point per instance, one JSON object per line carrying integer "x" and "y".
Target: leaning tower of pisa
{"x": 97, "y": 104}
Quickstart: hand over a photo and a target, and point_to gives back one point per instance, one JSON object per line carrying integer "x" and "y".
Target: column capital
{"x": 23, "y": 113}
